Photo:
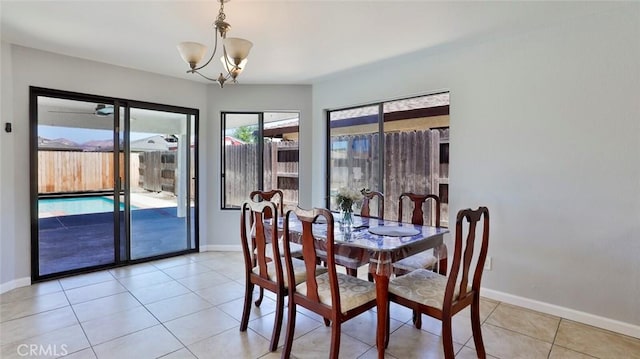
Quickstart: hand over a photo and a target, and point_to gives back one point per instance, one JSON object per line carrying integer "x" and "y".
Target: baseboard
{"x": 16, "y": 283}
{"x": 566, "y": 313}
{"x": 221, "y": 248}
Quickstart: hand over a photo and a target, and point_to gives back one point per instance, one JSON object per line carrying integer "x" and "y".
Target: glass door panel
{"x": 75, "y": 185}
{"x": 160, "y": 161}
{"x": 416, "y": 138}
{"x": 354, "y": 150}
{"x": 241, "y": 168}
{"x": 281, "y": 154}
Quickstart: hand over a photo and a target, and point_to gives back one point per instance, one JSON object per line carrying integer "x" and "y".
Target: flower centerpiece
{"x": 345, "y": 199}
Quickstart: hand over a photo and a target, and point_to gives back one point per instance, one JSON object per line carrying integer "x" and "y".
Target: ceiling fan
{"x": 101, "y": 110}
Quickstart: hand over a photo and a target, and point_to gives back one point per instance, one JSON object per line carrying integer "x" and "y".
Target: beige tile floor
{"x": 190, "y": 307}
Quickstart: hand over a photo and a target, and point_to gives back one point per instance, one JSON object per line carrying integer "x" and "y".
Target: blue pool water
{"x": 70, "y": 206}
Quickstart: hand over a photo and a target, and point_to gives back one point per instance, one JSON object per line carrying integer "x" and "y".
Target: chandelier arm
{"x": 206, "y": 77}
{"x": 215, "y": 47}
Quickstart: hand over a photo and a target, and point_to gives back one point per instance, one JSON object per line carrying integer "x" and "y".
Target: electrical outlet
{"x": 488, "y": 264}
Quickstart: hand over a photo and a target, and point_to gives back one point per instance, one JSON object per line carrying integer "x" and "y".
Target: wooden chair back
{"x": 254, "y": 237}
{"x": 417, "y": 216}
{"x": 463, "y": 254}
{"x": 366, "y": 199}
{"x": 276, "y": 196}
{"x": 259, "y": 267}
{"x": 308, "y": 241}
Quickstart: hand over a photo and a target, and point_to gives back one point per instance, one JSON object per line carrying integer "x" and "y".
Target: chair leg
{"x": 277, "y": 323}
{"x": 335, "y": 340}
{"x": 370, "y": 277}
{"x": 259, "y": 300}
{"x": 352, "y": 272}
{"x": 417, "y": 319}
{"x": 288, "y": 336}
{"x": 447, "y": 338}
{"x": 476, "y": 328}
{"x": 248, "y": 294}
{"x": 327, "y": 322}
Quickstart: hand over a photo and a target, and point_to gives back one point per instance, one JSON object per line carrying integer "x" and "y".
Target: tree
{"x": 246, "y": 134}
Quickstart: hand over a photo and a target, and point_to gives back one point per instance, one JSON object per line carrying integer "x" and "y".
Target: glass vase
{"x": 346, "y": 223}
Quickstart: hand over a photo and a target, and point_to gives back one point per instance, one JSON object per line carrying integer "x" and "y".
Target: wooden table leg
{"x": 382, "y": 297}
{"x": 381, "y": 267}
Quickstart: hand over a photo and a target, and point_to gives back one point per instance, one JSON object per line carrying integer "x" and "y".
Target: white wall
{"x": 24, "y": 67}
{"x": 224, "y": 225}
{"x": 7, "y": 177}
{"x": 545, "y": 131}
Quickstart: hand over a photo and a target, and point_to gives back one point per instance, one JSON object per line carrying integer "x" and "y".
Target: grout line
{"x": 555, "y": 335}
{"x": 79, "y": 323}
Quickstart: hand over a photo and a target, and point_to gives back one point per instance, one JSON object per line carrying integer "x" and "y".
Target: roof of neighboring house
{"x": 153, "y": 143}
{"x": 230, "y": 140}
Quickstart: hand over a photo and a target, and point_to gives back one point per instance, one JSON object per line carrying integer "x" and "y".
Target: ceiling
{"x": 295, "y": 42}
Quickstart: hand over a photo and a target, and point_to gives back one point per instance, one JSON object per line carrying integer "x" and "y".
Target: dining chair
{"x": 261, "y": 270}
{"x": 277, "y": 197}
{"x": 442, "y": 297}
{"x": 336, "y": 297}
{"x": 423, "y": 259}
{"x": 367, "y": 197}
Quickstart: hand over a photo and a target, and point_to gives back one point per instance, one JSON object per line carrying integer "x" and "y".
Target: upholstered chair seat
{"x": 419, "y": 260}
{"x": 422, "y": 286}
{"x": 298, "y": 267}
{"x": 354, "y": 292}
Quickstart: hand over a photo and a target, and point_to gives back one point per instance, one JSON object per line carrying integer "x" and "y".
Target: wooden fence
{"x": 75, "y": 171}
{"x": 280, "y": 171}
{"x": 68, "y": 171}
{"x": 157, "y": 170}
{"x": 415, "y": 161}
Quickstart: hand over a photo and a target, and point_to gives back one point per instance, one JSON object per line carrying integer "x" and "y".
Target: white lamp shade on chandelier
{"x": 192, "y": 52}
{"x": 237, "y": 49}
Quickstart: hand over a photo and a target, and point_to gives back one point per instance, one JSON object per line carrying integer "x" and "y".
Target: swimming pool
{"x": 52, "y": 207}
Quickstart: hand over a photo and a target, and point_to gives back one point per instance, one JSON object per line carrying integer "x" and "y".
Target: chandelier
{"x": 234, "y": 51}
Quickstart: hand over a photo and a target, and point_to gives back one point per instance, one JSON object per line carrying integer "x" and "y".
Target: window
{"x": 259, "y": 152}
{"x": 392, "y": 147}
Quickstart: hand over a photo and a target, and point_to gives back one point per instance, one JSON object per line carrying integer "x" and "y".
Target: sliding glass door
{"x": 113, "y": 182}
{"x": 161, "y": 155}
{"x": 76, "y": 177}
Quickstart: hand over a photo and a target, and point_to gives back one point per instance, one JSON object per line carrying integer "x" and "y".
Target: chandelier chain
{"x": 221, "y": 14}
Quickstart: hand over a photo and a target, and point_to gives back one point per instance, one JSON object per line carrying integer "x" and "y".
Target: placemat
{"x": 394, "y": 231}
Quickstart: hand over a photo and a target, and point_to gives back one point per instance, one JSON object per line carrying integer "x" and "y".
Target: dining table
{"x": 385, "y": 242}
